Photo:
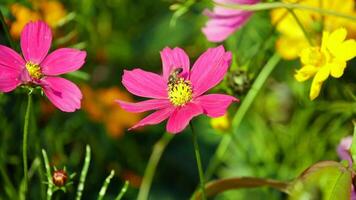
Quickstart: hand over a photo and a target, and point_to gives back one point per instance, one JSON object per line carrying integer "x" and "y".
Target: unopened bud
{"x": 59, "y": 178}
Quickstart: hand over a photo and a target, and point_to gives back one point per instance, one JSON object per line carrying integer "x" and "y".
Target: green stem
{"x": 105, "y": 185}
{"x": 199, "y": 165}
{"x": 245, "y": 105}
{"x": 49, "y": 175}
{"x": 123, "y": 191}
{"x": 24, "y": 144}
{"x": 83, "y": 174}
{"x": 6, "y": 30}
{"x": 268, "y": 6}
{"x": 301, "y": 26}
{"x": 150, "y": 170}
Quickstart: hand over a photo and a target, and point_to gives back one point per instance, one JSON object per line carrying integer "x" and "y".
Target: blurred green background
{"x": 282, "y": 134}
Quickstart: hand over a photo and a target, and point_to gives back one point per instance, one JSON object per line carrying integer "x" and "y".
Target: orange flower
{"x": 50, "y": 11}
{"x": 101, "y": 107}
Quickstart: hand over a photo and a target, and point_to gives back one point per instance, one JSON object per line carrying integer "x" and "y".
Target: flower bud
{"x": 59, "y": 178}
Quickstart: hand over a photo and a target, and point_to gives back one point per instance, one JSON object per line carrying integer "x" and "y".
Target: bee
{"x": 174, "y": 76}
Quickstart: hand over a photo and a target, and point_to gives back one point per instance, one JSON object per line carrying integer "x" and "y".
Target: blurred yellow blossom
{"x": 51, "y": 11}
{"x": 101, "y": 107}
{"x": 220, "y": 123}
{"x": 292, "y": 39}
{"x": 329, "y": 59}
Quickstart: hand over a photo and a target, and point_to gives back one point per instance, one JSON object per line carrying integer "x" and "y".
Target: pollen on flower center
{"x": 180, "y": 92}
{"x": 34, "y": 70}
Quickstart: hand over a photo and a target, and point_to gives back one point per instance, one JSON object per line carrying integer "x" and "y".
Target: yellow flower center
{"x": 34, "y": 70}
{"x": 313, "y": 56}
{"x": 180, "y": 92}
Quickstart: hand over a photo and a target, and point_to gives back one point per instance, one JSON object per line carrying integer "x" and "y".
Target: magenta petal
{"x": 62, "y": 61}
{"x": 343, "y": 149}
{"x": 145, "y": 84}
{"x": 8, "y": 81}
{"x": 215, "y": 105}
{"x": 36, "y": 38}
{"x": 172, "y": 59}
{"x": 152, "y": 104}
{"x": 64, "y": 94}
{"x": 209, "y": 69}
{"x": 181, "y": 117}
{"x": 11, "y": 67}
{"x": 155, "y": 118}
{"x": 224, "y": 21}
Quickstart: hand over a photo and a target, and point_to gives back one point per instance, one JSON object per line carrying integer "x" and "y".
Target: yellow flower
{"x": 22, "y": 15}
{"x": 220, "y": 123}
{"x": 329, "y": 59}
{"x": 50, "y": 11}
{"x": 292, "y": 40}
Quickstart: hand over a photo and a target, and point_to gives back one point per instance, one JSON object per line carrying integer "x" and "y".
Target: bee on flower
{"x": 329, "y": 59}
{"x": 178, "y": 94}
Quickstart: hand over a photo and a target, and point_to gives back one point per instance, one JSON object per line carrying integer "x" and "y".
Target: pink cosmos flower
{"x": 38, "y": 68}
{"x": 343, "y": 151}
{"x": 224, "y": 21}
{"x": 178, "y": 93}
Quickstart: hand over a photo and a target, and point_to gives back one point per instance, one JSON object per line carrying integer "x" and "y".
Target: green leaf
{"x": 326, "y": 180}
{"x": 215, "y": 187}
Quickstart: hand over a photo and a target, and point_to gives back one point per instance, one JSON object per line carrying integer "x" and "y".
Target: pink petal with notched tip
{"x": 181, "y": 117}
{"x": 36, "y": 39}
{"x": 172, "y": 59}
{"x": 145, "y": 84}
{"x": 155, "y": 118}
{"x": 62, "y": 61}
{"x": 215, "y": 105}
{"x": 209, "y": 69}
{"x": 64, "y": 94}
{"x": 11, "y": 67}
{"x": 152, "y": 104}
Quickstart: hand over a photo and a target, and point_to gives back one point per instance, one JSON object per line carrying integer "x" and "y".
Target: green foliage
{"x": 278, "y": 133}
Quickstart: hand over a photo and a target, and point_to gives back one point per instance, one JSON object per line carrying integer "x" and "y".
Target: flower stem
{"x": 273, "y": 5}
{"x": 49, "y": 175}
{"x": 301, "y": 26}
{"x": 84, "y": 173}
{"x": 245, "y": 105}
{"x": 123, "y": 190}
{"x": 150, "y": 170}
{"x": 199, "y": 165}
{"x": 6, "y": 30}
{"x": 24, "y": 144}
{"x": 105, "y": 185}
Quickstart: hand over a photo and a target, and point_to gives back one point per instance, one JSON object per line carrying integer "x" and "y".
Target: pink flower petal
{"x": 64, "y": 94}
{"x": 215, "y": 105}
{"x": 181, "y": 117}
{"x": 36, "y": 38}
{"x": 343, "y": 149}
{"x": 8, "y": 81}
{"x": 145, "y": 84}
{"x": 11, "y": 67}
{"x": 152, "y": 104}
{"x": 224, "y": 21}
{"x": 172, "y": 59}
{"x": 155, "y": 118}
{"x": 62, "y": 61}
{"x": 209, "y": 69}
